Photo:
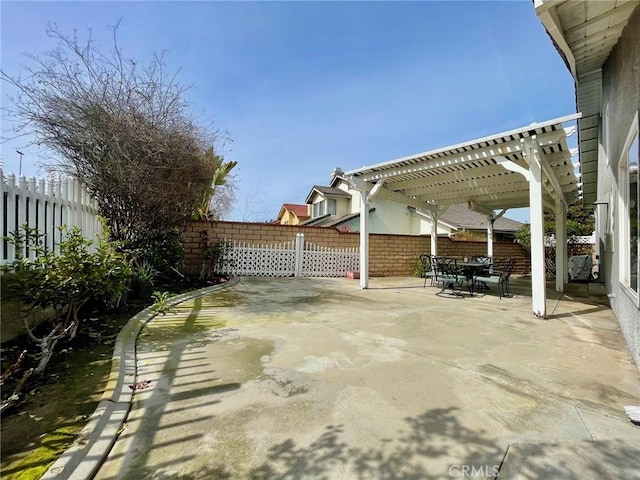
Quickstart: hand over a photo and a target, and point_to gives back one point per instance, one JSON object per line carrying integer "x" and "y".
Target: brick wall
{"x": 389, "y": 255}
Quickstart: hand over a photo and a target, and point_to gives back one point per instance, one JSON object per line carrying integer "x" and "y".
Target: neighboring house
{"x": 461, "y": 218}
{"x": 338, "y": 206}
{"x": 600, "y": 43}
{"x": 292, "y": 214}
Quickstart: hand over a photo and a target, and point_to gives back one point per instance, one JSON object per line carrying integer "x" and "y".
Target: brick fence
{"x": 389, "y": 255}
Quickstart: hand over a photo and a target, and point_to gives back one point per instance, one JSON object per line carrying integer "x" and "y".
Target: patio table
{"x": 471, "y": 269}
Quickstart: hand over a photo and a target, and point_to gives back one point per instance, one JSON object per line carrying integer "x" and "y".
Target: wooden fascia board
{"x": 312, "y": 193}
{"x": 548, "y": 15}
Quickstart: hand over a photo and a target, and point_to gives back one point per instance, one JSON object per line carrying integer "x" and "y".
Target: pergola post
{"x": 536, "y": 205}
{"x": 434, "y": 231}
{"x": 490, "y": 236}
{"x": 364, "y": 239}
{"x": 561, "y": 246}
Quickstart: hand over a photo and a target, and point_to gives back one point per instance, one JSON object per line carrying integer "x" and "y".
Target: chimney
{"x": 337, "y": 172}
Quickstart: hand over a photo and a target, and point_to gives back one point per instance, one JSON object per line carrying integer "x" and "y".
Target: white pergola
{"x": 527, "y": 167}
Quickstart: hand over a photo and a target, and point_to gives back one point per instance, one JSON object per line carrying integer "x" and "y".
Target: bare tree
{"x": 125, "y": 130}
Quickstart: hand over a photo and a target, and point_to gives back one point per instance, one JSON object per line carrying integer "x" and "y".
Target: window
{"x": 629, "y": 195}
{"x": 332, "y": 206}
{"x": 318, "y": 209}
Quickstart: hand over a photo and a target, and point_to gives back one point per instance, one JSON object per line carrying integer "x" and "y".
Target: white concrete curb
{"x": 82, "y": 460}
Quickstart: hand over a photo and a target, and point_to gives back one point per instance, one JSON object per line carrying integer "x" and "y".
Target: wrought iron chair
{"x": 484, "y": 259}
{"x": 427, "y": 269}
{"x": 448, "y": 273}
{"x": 500, "y": 278}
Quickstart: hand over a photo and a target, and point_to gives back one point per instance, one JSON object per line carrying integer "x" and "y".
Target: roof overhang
{"x": 485, "y": 171}
{"x": 322, "y": 191}
{"x": 585, "y": 32}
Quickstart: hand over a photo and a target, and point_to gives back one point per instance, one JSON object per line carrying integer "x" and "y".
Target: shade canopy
{"x": 480, "y": 171}
{"x": 527, "y": 167}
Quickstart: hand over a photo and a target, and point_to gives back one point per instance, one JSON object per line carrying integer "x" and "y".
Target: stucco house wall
{"x": 388, "y": 216}
{"x": 620, "y": 104}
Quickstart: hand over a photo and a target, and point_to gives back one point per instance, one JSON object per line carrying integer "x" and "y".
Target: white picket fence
{"x": 288, "y": 259}
{"x": 550, "y": 241}
{"x": 45, "y": 205}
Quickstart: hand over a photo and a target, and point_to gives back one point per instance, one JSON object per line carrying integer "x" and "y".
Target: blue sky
{"x": 304, "y": 87}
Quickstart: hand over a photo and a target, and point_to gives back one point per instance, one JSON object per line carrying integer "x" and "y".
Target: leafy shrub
{"x": 65, "y": 282}
{"x": 162, "y": 303}
{"x": 214, "y": 256}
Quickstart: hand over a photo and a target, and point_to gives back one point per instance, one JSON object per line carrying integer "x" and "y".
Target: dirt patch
{"x": 57, "y": 406}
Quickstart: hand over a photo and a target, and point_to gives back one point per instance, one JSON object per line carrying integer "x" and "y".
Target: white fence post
{"x": 299, "y": 254}
{"x": 45, "y": 205}
{"x": 9, "y": 189}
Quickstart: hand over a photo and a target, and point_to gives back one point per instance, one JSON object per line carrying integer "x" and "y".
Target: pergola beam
{"x": 383, "y": 192}
{"x": 556, "y": 191}
{"x": 441, "y": 177}
{"x": 422, "y": 164}
{"x": 461, "y": 190}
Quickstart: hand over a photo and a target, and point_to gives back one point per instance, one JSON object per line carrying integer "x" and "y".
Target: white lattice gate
{"x": 288, "y": 259}
{"x": 318, "y": 261}
{"x": 245, "y": 259}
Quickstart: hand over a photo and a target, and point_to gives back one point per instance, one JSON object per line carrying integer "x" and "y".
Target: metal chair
{"x": 448, "y": 273}
{"x": 500, "y": 278}
{"x": 427, "y": 269}
{"x": 484, "y": 259}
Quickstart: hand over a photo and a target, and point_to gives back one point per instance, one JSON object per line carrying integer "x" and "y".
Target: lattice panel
{"x": 328, "y": 262}
{"x": 279, "y": 260}
{"x": 260, "y": 260}
{"x": 550, "y": 241}
{"x": 584, "y": 240}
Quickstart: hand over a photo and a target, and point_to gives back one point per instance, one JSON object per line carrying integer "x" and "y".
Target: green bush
{"x": 65, "y": 282}
{"x": 418, "y": 270}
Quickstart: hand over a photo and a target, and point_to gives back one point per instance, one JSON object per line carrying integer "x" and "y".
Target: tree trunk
{"x": 47, "y": 346}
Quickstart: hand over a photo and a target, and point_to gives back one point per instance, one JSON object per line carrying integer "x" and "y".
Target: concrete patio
{"x": 318, "y": 379}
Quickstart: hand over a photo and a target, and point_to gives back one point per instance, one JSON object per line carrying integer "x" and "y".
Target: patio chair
{"x": 498, "y": 277}
{"x": 427, "y": 269}
{"x": 484, "y": 259}
{"x": 448, "y": 273}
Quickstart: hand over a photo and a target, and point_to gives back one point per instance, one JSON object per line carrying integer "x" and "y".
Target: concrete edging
{"x": 82, "y": 460}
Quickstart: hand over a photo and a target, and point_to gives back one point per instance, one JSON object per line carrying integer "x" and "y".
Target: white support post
{"x": 364, "y": 239}
{"x": 538, "y": 279}
{"x": 561, "y": 246}
{"x": 299, "y": 254}
{"x": 490, "y": 236}
{"x": 435, "y": 215}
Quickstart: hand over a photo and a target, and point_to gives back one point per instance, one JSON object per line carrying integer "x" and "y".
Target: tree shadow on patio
{"x": 436, "y": 434}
